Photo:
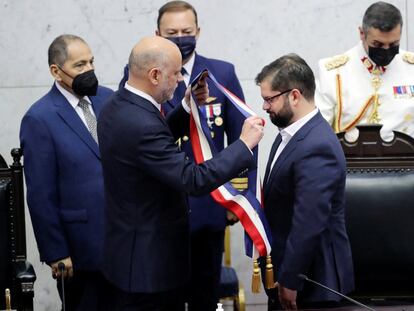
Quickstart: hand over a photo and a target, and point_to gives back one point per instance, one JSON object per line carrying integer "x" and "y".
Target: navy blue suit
{"x": 304, "y": 204}
{"x": 146, "y": 248}
{"x": 207, "y": 218}
{"x": 64, "y": 180}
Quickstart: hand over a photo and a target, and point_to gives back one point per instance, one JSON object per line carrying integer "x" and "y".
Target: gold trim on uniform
{"x": 210, "y": 99}
{"x": 408, "y": 57}
{"x": 336, "y": 61}
{"x": 212, "y": 134}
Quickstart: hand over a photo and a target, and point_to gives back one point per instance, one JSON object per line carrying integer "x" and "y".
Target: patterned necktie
{"x": 89, "y": 117}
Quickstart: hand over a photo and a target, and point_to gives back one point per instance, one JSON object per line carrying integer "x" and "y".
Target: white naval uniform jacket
{"x": 395, "y": 94}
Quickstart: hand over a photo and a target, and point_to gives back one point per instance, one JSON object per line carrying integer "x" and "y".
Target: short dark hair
{"x": 289, "y": 72}
{"x": 58, "y": 50}
{"x": 383, "y": 16}
{"x": 175, "y": 6}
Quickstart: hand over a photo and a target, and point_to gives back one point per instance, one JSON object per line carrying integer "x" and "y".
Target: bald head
{"x": 155, "y": 67}
{"x": 152, "y": 52}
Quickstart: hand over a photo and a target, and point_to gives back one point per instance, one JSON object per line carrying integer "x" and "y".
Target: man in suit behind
{"x": 178, "y": 22}
{"x": 303, "y": 191}
{"x": 147, "y": 177}
{"x": 63, "y": 171}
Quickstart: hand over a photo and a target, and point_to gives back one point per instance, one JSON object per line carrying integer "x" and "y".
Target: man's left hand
{"x": 200, "y": 91}
{"x": 287, "y": 298}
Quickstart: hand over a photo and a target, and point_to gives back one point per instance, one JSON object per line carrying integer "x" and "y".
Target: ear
{"x": 361, "y": 33}
{"x": 296, "y": 96}
{"x": 154, "y": 75}
{"x": 198, "y": 33}
{"x": 157, "y": 33}
{"x": 55, "y": 72}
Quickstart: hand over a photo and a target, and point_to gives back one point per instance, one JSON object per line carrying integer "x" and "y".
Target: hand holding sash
{"x": 199, "y": 90}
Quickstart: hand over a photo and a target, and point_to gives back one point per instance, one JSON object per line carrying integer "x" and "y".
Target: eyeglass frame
{"x": 269, "y": 100}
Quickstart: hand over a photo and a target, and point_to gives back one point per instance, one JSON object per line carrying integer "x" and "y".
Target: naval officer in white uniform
{"x": 372, "y": 83}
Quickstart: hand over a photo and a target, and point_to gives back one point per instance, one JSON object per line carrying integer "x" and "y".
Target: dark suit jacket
{"x": 304, "y": 204}
{"x": 146, "y": 181}
{"x": 205, "y": 212}
{"x": 64, "y": 180}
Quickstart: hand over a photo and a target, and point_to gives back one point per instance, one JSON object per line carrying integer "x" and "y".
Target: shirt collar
{"x": 71, "y": 98}
{"x": 143, "y": 95}
{"x": 297, "y": 125}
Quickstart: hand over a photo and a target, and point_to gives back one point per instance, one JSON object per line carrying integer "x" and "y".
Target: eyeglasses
{"x": 270, "y": 99}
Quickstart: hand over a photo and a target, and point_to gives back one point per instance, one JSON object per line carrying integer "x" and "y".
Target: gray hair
{"x": 58, "y": 50}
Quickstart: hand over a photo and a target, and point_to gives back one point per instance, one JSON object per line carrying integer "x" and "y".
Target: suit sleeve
{"x": 159, "y": 157}
{"x": 317, "y": 177}
{"x": 41, "y": 175}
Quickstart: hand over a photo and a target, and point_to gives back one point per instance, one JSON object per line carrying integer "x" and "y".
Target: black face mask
{"x": 186, "y": 44}
{"x": 84, "y": 84}
{"x": 382, "y": 57}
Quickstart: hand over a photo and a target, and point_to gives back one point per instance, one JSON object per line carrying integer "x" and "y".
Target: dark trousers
{"x": 115, "y": 299}
{"x": 82, "y": 290}
{"x": 206, "y": 260}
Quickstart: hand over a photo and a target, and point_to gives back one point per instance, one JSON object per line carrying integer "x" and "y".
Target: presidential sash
{"x": 246, "y": 204}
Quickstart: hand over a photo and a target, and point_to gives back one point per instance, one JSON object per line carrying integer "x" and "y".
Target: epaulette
{"x": 336, "y": 61}
{"x": 408, "y": 57}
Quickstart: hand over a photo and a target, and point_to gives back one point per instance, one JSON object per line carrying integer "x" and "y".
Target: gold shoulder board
{"x": 336, "y": 61}
{"x": 408, "y": 57}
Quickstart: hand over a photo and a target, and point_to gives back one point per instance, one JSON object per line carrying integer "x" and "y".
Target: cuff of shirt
{"x": 186, "y": 108}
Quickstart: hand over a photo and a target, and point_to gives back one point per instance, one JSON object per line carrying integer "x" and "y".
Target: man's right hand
{"x": 252, "y": 131}
{"x": 67, "y": 273}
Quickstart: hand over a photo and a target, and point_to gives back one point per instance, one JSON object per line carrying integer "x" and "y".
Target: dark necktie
{"x": 89, "y": 117}
{"x": 180, "y": 90}
{"x": 276, "y": 145}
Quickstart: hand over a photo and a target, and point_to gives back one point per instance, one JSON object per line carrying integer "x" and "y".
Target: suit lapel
{"x": 275, "y": 145}
{"x": 290, "y": 147}
{"x": 71, "y": 118}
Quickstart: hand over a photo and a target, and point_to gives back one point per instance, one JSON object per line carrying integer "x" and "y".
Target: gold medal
{"x": 218, "y": 121}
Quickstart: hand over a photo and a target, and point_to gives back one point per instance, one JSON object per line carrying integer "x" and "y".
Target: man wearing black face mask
{"x": 373, "y": 82}
{"x": 63, "y": 171}
{"x": 177, "y": 21}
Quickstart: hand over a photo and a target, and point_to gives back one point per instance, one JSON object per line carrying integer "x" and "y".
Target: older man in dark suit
{"x": 178, "y": 21}
{"x": 303, "y": 191}
{"x": 147, "y": 178}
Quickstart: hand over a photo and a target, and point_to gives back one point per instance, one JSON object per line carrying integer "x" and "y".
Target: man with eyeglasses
{"x": 303, "y": 192}
{"x": 178, "y": 22}
{"x": 373, "y": 82}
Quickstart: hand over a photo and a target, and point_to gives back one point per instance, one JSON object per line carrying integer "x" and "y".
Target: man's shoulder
{"x": 45, "y": 103}
{"x": 406, "y": 58}
{"x": 328, "y": 64}
{"x": 215, "y": 63}
{"x": 103, "y": 92}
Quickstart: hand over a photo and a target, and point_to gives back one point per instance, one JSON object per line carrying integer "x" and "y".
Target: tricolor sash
{"x": 246, "y": 205}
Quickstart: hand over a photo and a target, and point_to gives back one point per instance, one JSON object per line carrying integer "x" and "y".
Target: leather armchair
{"x": 380, "y": 213}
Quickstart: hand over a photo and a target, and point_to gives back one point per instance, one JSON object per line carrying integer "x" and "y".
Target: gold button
{"x": 185, "y": 138}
